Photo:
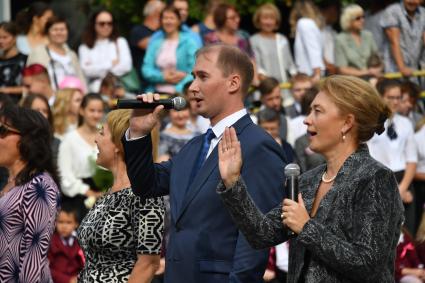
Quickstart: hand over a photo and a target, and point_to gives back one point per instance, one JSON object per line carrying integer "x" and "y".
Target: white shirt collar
{"x": 219, "y": 128}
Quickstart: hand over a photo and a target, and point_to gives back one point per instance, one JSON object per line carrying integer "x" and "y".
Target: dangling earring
{"x": 343, "y": 136}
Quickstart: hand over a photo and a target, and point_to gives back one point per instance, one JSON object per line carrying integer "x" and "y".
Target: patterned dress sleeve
{"x": 261, "y": 231}
{"x": 39, "y": 208}
{"x": 148, "y": 224}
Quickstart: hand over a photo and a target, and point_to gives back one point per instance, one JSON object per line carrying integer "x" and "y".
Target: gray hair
{"x": 152, "y": 6}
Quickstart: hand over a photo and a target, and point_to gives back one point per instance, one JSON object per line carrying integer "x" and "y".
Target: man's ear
{"x": 234, "y": 83}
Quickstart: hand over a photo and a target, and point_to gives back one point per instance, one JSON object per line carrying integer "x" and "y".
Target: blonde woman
{"x": 65, "y": 111}
{"x": 121, "y": 235}
{"x": 306, "y": 23}
{"x": 354, "y": 46}
{"x": 271, "y": 49}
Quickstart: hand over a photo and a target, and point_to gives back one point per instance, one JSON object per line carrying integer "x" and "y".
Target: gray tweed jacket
{"x": 354, "y": 234}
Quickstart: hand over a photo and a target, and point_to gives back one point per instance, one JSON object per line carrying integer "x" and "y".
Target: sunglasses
{"x": 6, "y": 130}
{"x": 102, "y": 24}
{"x": 358, "y": 18}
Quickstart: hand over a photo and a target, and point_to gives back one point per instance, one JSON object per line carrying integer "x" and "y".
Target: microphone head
{"x": 292, "y": 169}
{"x": 179, "y": 103}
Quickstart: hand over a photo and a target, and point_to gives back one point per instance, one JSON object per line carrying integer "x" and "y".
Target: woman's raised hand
{"x": 229, "y": 157}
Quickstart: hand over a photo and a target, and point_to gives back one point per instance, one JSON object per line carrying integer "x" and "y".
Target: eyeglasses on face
{"x": 6, "y": 130}
{"x": 102, "y": 24}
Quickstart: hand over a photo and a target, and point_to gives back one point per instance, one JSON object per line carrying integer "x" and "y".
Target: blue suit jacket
{"x": 205, "y": 245}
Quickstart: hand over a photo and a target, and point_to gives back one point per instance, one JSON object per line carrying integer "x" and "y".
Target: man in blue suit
{"x": 204, "y": 244}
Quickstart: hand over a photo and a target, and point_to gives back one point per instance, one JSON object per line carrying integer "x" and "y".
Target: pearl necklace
{"x": 327, "y": 180}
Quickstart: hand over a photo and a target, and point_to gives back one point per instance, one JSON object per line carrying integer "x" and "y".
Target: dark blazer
{"x": 353, "y": 236}
{"x": 204, "y": 244}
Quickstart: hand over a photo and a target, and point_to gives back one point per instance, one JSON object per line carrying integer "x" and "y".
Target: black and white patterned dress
{"x": 118, "y": 228}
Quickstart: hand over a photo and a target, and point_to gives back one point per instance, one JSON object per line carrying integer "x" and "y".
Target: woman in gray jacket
{"x": 349, "y": 212}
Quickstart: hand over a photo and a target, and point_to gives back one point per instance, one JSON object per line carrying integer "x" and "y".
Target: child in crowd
{"x": 175, "y": 135}
{"x": 268, "y": 119}
{"x": 65, "y": 255}
{"x": 408, "y": 268}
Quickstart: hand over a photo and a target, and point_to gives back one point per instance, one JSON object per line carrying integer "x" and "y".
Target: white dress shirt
{"x": 420, "y": 146}
{"x": 308, "y": 47}
{"x": 397, "y": 152}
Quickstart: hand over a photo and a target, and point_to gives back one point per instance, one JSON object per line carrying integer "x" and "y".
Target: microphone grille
{"x": 292, "y": 169}
{"x": 179, "y": 103}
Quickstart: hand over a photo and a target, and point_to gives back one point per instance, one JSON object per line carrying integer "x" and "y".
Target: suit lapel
{"x": 184, "y": 175}
{"x": 206, "y": 170}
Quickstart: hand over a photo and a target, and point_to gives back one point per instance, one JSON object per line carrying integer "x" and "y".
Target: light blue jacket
{"x": 186, "y": 50}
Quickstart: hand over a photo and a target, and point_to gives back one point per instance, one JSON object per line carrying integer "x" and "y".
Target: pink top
{"x": 167, "y": 60}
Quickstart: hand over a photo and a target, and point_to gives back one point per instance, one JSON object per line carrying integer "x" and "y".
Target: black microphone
{"x": 176, "y": 103}
{"x": 292, "y": 172}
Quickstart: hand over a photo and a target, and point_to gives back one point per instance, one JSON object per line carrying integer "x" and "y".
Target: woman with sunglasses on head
{"x": 354, "y": 46}
{"x": 56, "y": 56}
{"x": 29, "y": 202}
{"x": 347, "y": 217}
{"x": 103, "y": 50}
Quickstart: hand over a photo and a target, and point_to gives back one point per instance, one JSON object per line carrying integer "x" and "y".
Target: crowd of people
{"x": 102, "y": 194}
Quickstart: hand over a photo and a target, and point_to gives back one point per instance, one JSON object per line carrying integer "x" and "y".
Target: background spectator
{"x": 77, "y": 153}
{"x": 271, "y": 98}
{"x": 404, "y": 26}
{"x": 56, "y": 57}
{"x": 140, "y": 34}
{"x": 66, "y": 110}
{"x": 35, "y": 79}
{"x": 227, "y": 19}
{"x": 11, "y": 62}
{"x": 207, "y": 25}
{"x": 354, "y": 46}
{"x": 300, "y": 83}
{"x": 175, "y": 135}
{"x": 40, "y": 104}
{"x": 65, "y": 255}
{"x": 330, "y": 11}
{"x": 103, "y": 50}
{"x": 31, "y": 23}
{"x": 169, "y": 60}
{"x": 306, "y": 23}
{"x": 396, "y": 149}
{"x": 271, "y": 49}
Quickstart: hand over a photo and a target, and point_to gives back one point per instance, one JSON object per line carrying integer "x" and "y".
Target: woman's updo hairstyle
{"x": 356, "y": 96}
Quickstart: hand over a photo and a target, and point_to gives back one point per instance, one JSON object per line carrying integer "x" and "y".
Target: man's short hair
{"x": 268, "y": 115}
{"x": 300, "y": 77}
{"x": 231, "y": 60}
{"x": 267, "y": 85}
{"x": 151, "y": 7}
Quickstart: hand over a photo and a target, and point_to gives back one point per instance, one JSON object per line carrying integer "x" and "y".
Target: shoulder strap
{"x": 53, "y": 67}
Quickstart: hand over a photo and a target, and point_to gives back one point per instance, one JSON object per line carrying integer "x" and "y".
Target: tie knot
{"x": 209, "y": 135}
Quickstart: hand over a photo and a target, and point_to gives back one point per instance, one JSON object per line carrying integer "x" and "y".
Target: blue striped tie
{"x": 209, "y": 135}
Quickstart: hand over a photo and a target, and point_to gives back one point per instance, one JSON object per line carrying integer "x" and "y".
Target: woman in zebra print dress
{"x": 121, "y": 235}
{"x": 29, "y": 201}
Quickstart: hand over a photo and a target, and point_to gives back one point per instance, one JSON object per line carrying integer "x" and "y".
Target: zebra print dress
{"x": 27, "y": 221}
{"x": 118, "y": 228}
